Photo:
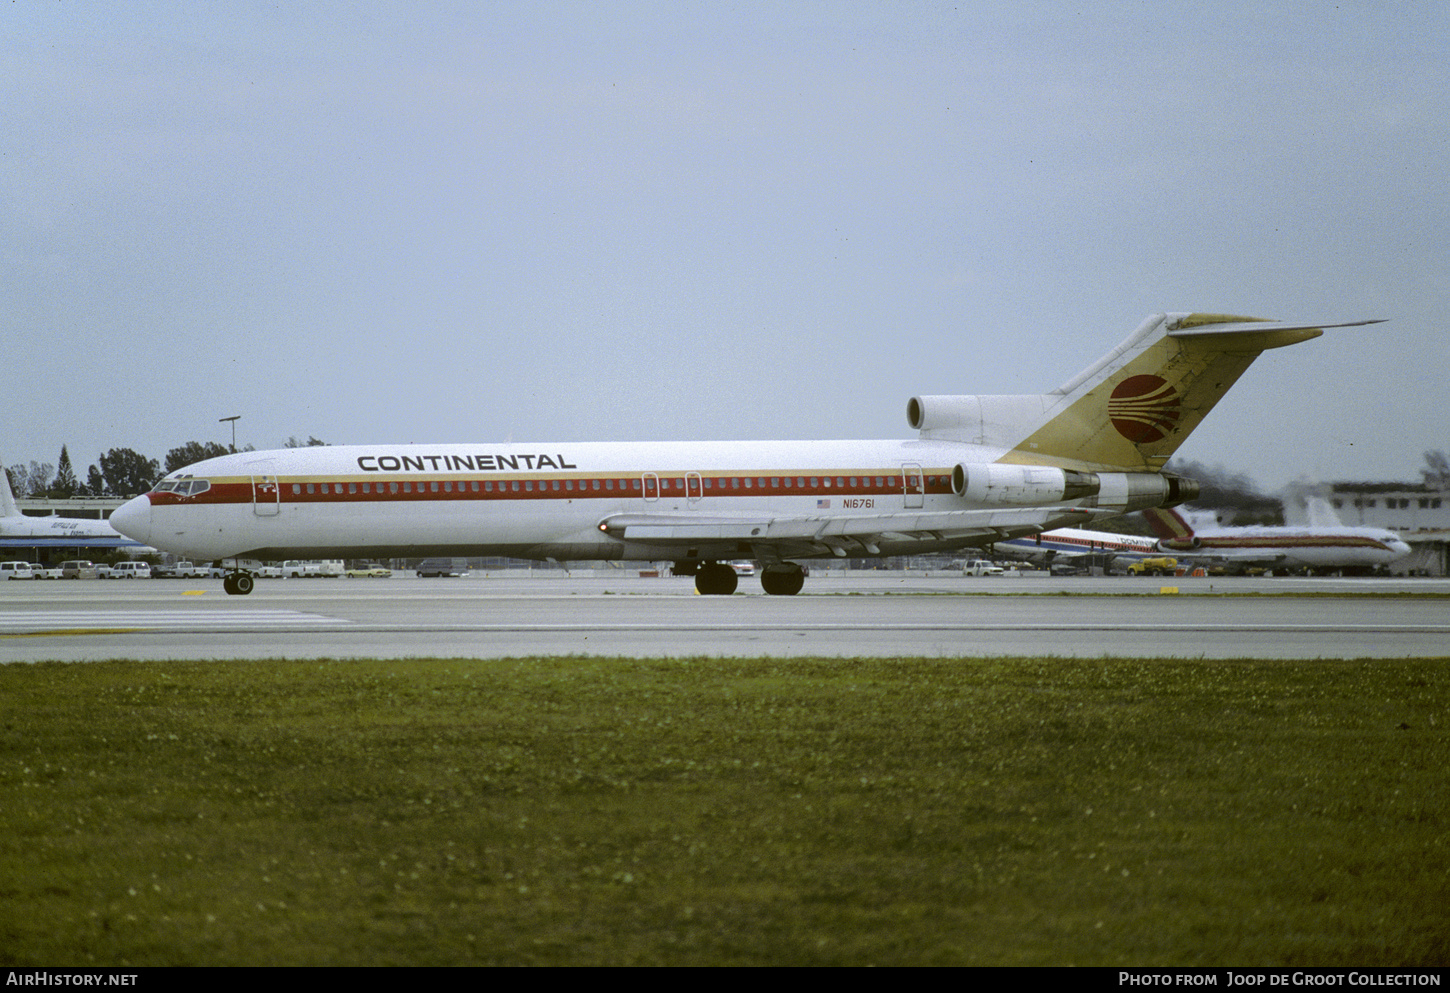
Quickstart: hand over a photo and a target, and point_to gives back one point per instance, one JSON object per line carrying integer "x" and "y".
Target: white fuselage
{"x": 1068, "y": 542}
{"x": 548, "y": 500}
{"x": 1293, "y": 547}
{"x": 59, "y": 532}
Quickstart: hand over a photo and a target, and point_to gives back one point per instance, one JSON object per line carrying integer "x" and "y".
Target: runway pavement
{"x": 863, "y": 614}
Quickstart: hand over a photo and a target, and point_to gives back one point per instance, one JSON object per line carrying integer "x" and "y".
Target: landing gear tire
{"x": 715, "y": 579}
{"x": 238, "y": 584}
{"x": 784, "y": 581}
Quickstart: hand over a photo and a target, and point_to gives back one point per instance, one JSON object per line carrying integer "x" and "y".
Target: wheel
{"x": 715, "y": 579}
{"x": 784, "y": 581}
{"x": 238, "y": 583}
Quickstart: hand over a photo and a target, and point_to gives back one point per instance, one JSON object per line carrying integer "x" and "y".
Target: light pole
{"x": 233, "y": 419}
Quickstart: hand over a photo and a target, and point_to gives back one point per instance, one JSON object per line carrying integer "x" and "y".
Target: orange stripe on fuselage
{"x": 1291, "y": 541}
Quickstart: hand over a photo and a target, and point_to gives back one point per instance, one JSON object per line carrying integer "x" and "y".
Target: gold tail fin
{"x": 1137, "y": 405}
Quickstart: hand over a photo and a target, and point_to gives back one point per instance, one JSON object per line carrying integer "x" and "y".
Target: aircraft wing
{"x": 838, "y": 535}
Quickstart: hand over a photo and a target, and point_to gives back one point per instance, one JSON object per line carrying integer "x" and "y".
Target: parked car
{"x": 131, "y": 570}
{"x": 16, "y": 570}
{"x": 78, "y": 569}
{"x": 298, "y": 569}
{"x": 103, "y": 571}
{"x": 45, "y": 571}
{"x": 369, "y": 570}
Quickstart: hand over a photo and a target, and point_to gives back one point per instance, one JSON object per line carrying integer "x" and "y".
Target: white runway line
{"x": 33, "y": 621}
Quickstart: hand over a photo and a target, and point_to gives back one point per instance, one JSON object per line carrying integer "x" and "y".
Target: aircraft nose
{"x": 133, "y": 519}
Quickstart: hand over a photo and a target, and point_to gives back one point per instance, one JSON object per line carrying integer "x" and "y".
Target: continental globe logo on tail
{"x": 1144, "y": 409}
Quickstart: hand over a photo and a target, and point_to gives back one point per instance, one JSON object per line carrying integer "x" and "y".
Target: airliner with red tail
{"x": 981, "y": 469}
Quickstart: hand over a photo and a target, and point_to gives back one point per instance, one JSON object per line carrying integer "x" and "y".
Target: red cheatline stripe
{"x": 335, "y": 489}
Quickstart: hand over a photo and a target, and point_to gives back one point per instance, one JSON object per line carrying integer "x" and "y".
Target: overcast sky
{"x": 534, "y": 221}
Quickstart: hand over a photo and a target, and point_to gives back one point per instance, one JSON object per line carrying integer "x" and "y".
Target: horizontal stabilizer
{"x": 1258, "y": 327}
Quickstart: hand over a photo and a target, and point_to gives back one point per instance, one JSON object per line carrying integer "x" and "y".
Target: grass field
{"x": 699, "y": 811}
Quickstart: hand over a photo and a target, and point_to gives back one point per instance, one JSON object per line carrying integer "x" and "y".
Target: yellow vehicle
{"x": 1163, "y": 566}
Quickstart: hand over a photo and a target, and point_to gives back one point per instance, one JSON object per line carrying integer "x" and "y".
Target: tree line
{"x": 120, "y": 472}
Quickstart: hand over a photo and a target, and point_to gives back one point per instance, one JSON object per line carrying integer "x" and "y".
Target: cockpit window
{"x": 182, "y": 487}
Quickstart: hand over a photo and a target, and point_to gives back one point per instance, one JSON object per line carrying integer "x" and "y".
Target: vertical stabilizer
{"x": 1128, "y": 411}
{"x": 1321, "y": 514}
{"x": 1168, "y": 524}
{"x": 8, "y": 507}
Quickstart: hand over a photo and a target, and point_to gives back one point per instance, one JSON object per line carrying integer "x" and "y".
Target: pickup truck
{"x": 297, "y": 569}
{"x": 981, "y": 567}
{"x": 180, "y": 570}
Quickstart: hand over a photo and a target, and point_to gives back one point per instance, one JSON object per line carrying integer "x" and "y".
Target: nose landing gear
{"x": 238, "y": 583}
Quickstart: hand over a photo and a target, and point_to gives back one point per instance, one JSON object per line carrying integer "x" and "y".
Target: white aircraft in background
{"x": 982, "y": 469}
{"x": 1322, "y": 547}
{"x": 20, "y": 531}
{"x": 1067, "y": 544}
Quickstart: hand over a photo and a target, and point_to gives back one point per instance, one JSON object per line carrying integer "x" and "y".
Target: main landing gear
{"x": 783, "y": 578}
{"x": 719, "y": 579}
{"x": 715, "y": 579}
{"x": 238, "y": 583}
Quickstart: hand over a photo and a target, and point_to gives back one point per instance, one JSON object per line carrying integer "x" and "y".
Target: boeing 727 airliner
{"x": 981, "y": 469}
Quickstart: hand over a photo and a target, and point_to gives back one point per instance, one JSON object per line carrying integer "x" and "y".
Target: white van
{"x": 131, "y": 570}
{"x": 16, "y": 570}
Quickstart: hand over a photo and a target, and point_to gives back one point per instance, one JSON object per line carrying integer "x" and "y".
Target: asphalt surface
{"x": 865, "y": 614}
